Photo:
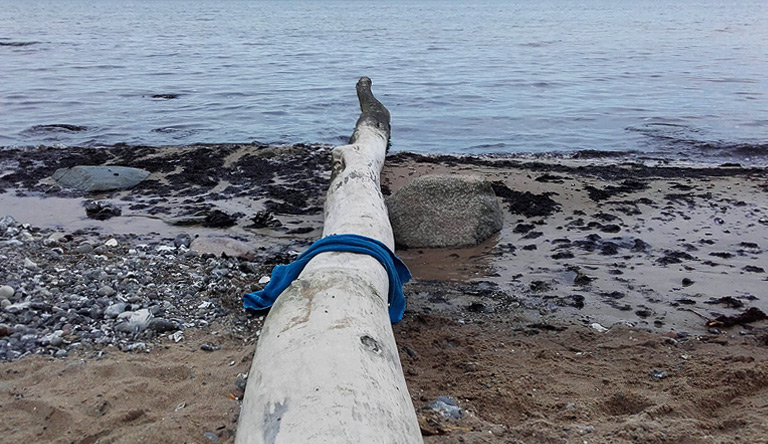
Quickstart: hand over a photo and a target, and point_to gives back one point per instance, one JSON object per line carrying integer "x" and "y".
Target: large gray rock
{"x": 439, "y": 211}
{"x": 99, "y": 178}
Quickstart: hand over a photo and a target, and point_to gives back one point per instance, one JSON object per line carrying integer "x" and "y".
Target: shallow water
{"x": 459, "y": 77}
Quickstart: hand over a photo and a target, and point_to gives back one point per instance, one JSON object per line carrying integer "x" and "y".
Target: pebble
{"x": 106, "y": 290}
{"x": 6, "y": 291}
{"x": 136, "y": 346}
{"x": 6, "y": 222}
{"x": 29, "y": 264}
{"x": 115, "y": 309}
{"x": 111, "y": 243}
{"x": 659, "y": 374}
{"x": 211, "y": 436}
{"x": 161, "y": 325}
{"x": 182, "y": 240}
{"x": 53, "y": 239}
{"x": 84, "y": 248}
{"x": 599, "y": 328}
{"x": 209, "y": 347}
{"x": 447, "y": 407}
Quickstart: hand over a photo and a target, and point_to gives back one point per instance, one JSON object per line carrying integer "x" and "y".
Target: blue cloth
{"x": 283, "y": 275}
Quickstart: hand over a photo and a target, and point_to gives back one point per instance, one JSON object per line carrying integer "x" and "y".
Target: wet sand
{"x": 653, "y": 252}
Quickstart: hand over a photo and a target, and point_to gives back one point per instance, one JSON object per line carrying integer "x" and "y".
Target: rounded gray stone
{"x": 99, "y": 178}
{"x": 6, "y": 291}
{"x": 439, "y": 211}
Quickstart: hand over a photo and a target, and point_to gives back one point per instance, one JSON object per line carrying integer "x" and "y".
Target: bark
{"x": 326, "y": 367}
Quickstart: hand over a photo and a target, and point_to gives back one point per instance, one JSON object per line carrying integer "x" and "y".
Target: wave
{"x": 690, "y": 140}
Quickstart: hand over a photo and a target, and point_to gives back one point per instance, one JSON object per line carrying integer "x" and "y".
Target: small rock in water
{"x": 6, "y": 291}
{"x": 101, "y": 210}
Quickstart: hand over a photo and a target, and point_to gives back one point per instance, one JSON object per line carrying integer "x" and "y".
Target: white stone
{"x": 111, "y": 243}
{"x": 29, "y": 264}
{"x": 6, "y": 291}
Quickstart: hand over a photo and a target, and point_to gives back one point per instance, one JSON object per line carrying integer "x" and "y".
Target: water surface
{"x": 459, "y": 77}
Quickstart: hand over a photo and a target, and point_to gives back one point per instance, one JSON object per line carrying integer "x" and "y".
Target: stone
{"x": 447, "y": 407}
{"x": 182, "y": 240}
{"x": 101, "y": 210}
{"x": 134, "y": 321}
{"x": 439, "y": 211}
{"x": 29, "y": 264}
{"x": 7, "y": 222}
{"x": 219, "y": 246}
{"x": 111, "y": 243}
{"x": 6, "y": 291}
{"x": 99, "y": 178}
{"x": 84, "y": 248}
{"x": 54, "y": 239}
{"x": 106, "y": 290}
{"x": 162, "y": 325}
{"x": 115, "y": 310}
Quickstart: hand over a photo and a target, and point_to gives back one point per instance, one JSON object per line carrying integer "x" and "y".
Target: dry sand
{"x": 506, "y": 329}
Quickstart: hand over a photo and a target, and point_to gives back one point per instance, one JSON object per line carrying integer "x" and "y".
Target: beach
{"x": 620, "y": 303}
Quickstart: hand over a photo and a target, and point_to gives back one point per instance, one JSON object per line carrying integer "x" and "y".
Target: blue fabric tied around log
{"x": 284, "y": 275}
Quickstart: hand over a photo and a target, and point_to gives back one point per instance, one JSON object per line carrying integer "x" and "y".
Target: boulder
{"x": 438, "y": 211}
{"x": 99, "y": 178}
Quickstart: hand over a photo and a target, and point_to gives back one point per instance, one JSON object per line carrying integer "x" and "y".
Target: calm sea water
{"x": 668, "y": 76}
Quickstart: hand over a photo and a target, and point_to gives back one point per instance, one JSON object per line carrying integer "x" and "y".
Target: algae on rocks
{"x": 439, "y": 211}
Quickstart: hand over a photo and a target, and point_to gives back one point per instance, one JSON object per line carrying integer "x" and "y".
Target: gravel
{"x": 59, "y": 293}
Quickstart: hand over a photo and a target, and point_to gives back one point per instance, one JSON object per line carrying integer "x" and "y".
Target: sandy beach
{"x": 620, "y": 303}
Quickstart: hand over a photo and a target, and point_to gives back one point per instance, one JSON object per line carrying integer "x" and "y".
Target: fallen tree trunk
{"x": 326, "y": 367}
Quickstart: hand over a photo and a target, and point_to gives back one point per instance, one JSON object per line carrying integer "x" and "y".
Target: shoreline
{"x": 642, "y": 250}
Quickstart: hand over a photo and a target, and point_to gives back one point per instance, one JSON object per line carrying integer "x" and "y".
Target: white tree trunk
{"x": 326, "y": 367}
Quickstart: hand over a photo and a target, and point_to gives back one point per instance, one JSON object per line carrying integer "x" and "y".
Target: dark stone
{"x": 182, "y": 240}
{"x": 161, "y": 325}
{"x": 101, "y": 210}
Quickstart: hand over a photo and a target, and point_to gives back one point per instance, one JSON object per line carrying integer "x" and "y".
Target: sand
{"x": 557, "y": 337}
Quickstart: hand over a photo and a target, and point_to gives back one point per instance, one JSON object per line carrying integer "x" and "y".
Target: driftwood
{"x": 326, "y": 367}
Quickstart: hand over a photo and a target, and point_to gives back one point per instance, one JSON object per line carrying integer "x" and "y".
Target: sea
{"x": 676, "y": 78}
